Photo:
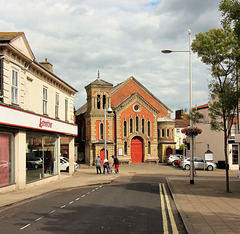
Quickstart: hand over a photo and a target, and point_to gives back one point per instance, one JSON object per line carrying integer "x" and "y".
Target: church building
{"x": 138, "y": 126}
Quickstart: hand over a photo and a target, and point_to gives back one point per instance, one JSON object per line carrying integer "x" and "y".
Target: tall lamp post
{"x": 190, "y": 102}
{"x": 109, "y": 110}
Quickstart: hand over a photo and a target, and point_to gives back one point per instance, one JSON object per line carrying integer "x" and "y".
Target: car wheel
{"x": 36, "y": 166}
{"x": 173, "y": 164}
{"x": 187, "y": 167}
{"x": 67, "y": 169}
{"x": 210, "y": 168}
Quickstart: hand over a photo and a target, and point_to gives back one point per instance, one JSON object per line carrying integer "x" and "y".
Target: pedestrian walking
{"x": 116, "y": 164}
{"x": 98, "y": 165}
{"x": 105, "y": 166}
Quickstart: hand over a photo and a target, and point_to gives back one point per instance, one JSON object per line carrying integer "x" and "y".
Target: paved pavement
{"x": 205, "y": 207}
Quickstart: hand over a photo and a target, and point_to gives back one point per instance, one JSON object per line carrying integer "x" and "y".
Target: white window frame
{"x": 57, "y": 105}
{"x": 45, "y": 100}
{"x": 66, "y": 109}
{"x": 14, "y": 88}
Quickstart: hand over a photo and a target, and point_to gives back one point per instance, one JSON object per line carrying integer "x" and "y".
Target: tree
{"x": 231, "y": 12}
{"x": 218, "y": 48}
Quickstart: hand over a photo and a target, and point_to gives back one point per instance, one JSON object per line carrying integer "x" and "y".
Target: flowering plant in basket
{"x": 191, "y": 131}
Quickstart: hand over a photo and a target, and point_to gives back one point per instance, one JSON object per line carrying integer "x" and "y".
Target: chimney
{"x": 47, "y": 65}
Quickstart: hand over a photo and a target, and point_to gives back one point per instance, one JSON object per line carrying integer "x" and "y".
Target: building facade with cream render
{"x": 37, "y": 111}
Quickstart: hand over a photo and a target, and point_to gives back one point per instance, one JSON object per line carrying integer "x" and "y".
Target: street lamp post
{"x": 109, "y": 110}
{"x": 190, "y": 102}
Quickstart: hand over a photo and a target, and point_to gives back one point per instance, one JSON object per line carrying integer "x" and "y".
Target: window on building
{"x": 163, "y": 133}
{"x": 57, "y": 106}
{"x": 98, "y": 101}
{"x": 168, "y": 133}
{"x": 149, "y": 128}
{"x": 125, "y": 148}
{"x": 149, "y": 147}
{"x": 101, "y": 131}
{"x": 124, "y": 128}
{"x": 66, "y": 109}
{"x": 143, "y": 125}
{"x": 234, "y": 129}
{"x": 45, "y": 100}
{"x": 159, "y": 133}
{"x": 177, "y": 130}
{"x": 131, "y": 126}
{"x": 41, "y": 157}
{"x": 104, "y": 101}
{"x": 137, "y": 123}
{"x": 14, "y": 86}
{"x": 234, "y": 154}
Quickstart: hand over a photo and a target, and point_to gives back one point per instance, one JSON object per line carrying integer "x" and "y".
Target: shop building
{"x": 138, "y": 129}
{"x": 37, "y": 110}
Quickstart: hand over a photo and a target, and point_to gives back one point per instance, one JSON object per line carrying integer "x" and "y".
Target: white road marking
{"x": 88, "y": 193}
{"x": 83, "y": 195}
{"x": 70, "y": 202}
{"x": 39, "y": 218}
{"x": 53, "y": 211}
{"x": 77, "y": 198}
{"x": 25, "y": 226}
{"x": 63, "y": 206}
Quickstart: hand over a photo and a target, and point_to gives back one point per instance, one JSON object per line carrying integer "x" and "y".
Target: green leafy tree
{"x": 218, "y": 48}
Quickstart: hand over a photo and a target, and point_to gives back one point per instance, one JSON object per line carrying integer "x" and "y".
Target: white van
{"x": 64, "y": 164}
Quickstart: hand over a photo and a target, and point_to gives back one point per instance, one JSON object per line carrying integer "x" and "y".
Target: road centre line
{"x": 172, "y": 220}
{"x": 164, "y": 212}
{"x": 25, "y": 226}
{"x": 63, "y": 206}
{"x": 39, "y": 218}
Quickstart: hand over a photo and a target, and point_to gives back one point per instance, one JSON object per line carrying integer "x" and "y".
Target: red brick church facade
{"x": 138, "y": 130}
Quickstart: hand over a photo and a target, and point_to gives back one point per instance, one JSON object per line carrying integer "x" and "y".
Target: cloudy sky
{"x": 120, "y": 39}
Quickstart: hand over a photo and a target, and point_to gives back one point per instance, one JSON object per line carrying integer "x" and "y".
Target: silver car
{"x": 198, "y": 164}
{"x": 172, "y": 157}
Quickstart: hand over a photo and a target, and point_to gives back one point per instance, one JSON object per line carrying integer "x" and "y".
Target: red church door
{"x": 137, "y": 150}
{"x": 168, "y": 151}
{"x": 102, "y": 155}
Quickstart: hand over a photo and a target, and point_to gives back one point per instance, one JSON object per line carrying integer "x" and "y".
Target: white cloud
{"x": 119, "y": 38}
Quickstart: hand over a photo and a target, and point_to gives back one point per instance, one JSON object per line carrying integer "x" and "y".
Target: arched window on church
{"x": 124, "y": 128}
{"x": 101, "y": 131}
{"x": 104, "y": 101}
{"x": 98, "y": 101}
{"x": 143, "y": 125}
{"x": 149, "y": 147}
{"x": 125, "y": 148}
{"x": 130, "y": 126}
{"x": 149, "y": 128}
{"x": 137, "y": 123}
{"x": 163, "y": 133}
{"x": 168, "y": 135}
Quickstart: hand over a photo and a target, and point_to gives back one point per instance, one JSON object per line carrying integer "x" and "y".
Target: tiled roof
{"x": 8, "y": 36}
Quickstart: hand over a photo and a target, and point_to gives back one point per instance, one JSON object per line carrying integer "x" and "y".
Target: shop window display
{"x": 6, "y": 159}
{"x": 41, "y": 157}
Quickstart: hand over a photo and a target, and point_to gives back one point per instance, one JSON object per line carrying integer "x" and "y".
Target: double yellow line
{"x": 166, "y": 211}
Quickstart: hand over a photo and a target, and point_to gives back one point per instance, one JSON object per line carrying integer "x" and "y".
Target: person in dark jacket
{"x": 116, "y": 164}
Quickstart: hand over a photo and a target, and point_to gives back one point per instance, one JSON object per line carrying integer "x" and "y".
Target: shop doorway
{"x": 137, "y": 150}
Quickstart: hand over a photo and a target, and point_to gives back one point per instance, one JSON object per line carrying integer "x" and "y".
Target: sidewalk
{"x": 205, "y": 207}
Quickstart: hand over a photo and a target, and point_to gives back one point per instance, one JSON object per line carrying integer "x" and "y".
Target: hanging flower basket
{"x": 191, "y": 131}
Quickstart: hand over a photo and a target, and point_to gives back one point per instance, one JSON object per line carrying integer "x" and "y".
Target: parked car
{"x": 198, "y": 164}
{"x": 178, "y": 162}
{"x": 64, "y": 164}
{"x": 172, "y": 157}
{"x": 34, "y": 163}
